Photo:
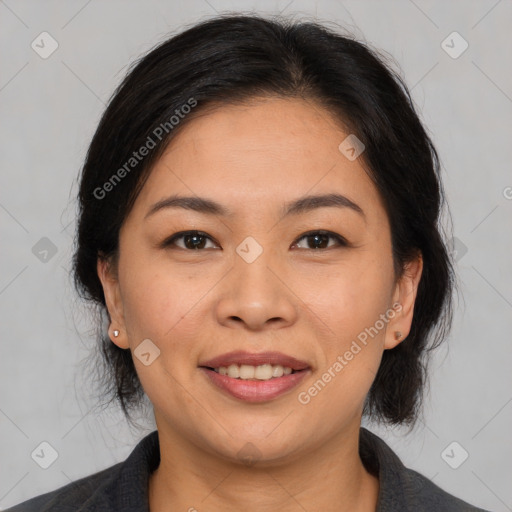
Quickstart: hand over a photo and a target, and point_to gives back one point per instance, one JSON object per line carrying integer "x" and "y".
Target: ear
{"x": 110, "y": 283}
{"x": 404, "y": 297}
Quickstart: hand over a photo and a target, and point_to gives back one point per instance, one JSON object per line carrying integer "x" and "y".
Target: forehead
{"x": 267, "y": 150}
{"x": 262, "y": 125}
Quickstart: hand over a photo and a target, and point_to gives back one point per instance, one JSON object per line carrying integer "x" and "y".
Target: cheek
{"x": 159, "y": 306}
{"x": 352, "y": 307}
{"x": 165, "y": 304}
{"x": 152, "y": 298}
{"x": 351, "y": 303}
{"x": 156, "y": 305}
{"x": 353, "y": 297}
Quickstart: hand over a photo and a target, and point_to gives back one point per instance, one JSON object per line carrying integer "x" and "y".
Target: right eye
{"x": 192, "y": 240}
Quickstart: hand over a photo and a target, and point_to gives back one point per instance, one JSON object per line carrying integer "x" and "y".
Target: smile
{"x": 255, "y": 377}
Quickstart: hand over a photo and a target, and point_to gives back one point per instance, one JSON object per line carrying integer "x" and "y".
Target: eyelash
{"x": 339, "y": 239}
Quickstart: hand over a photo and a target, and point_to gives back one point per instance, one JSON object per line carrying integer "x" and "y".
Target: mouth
{"x": 255, "y": 377}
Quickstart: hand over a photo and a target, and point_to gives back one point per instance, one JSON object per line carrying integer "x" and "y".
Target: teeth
{"x": 277, "y": 371}
{"x": 247, "y": 372}
{"x": 234, "y": 371}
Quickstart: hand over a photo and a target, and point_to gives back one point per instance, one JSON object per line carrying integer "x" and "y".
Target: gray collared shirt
{"x": 124, "y": 486}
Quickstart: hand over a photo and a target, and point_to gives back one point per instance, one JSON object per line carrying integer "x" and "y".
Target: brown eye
{"x": 320, "y": 240}
{"x": 192, "y": 240}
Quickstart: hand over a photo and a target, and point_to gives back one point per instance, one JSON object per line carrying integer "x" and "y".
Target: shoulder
{"x": 71, "y": 497}
{"x": 421, "y": 492}
{"x": 402, "y": 488}
{"x": 123, "y": 486}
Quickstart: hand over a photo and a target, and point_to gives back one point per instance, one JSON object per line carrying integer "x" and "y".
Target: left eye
{"x": 320, "y": 239}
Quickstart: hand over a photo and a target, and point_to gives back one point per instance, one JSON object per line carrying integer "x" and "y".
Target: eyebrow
{"x": 296, "y": 207}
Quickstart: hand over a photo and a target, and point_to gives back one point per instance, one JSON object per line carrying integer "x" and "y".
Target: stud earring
{"x": 116, "y": 333}
{"x": 398, "y": 335}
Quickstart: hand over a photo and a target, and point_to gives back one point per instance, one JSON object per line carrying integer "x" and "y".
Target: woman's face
{"x": 251, "y": 281}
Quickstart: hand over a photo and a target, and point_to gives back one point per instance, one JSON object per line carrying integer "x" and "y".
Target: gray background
{"x": 49, "y": 109}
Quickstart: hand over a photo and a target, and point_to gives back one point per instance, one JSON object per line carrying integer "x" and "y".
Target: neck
{"x": 331, "y": 477}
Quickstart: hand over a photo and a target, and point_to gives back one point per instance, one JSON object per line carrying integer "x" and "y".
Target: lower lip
{"x": 255, "y": 390}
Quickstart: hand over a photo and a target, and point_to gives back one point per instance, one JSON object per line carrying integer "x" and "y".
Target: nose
{"x": 256, "y": 296}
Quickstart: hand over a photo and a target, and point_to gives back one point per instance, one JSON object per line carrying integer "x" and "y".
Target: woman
{"x": 258, "y": 219}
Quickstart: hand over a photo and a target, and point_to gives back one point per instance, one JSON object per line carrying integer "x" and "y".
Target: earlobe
{"x": 405, "y": 296}
{"x": 110, "y": 284}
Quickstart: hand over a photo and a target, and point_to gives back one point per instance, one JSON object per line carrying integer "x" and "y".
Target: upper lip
{"x": 243, "y": 357}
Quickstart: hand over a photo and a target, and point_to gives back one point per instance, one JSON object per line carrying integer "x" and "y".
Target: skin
{"x": 305, "y": 302}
